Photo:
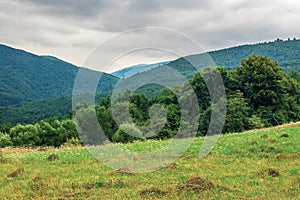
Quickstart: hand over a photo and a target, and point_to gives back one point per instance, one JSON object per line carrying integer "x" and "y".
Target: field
{"x": 260, "y": 164}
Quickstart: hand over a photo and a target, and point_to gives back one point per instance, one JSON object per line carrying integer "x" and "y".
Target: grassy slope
{"x": 237, "y": 168}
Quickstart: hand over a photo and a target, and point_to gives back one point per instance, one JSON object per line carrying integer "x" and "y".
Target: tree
{"x": 237, "y": 113}
{"x": 127, "y": 133}
{"x": 24, "y": 135}
{"x": 169, "y": 102}
{"x": 5, "y": 128}
{"x": 88, "y": 127}
{"x": 106, "y": 121}
{"x": 139, "y": 108}
{"x": 200, "y": 88}
{"x": 271, "y": 94}
{"x": 49, "y": 132}
{"x": 261, "y": 81}
{"x": 5, "y": 140}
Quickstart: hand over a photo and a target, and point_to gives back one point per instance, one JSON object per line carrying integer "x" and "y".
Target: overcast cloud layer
{"x": 70, "y": 30}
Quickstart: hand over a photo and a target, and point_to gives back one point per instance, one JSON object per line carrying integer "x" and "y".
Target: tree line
{"x": 258, "y": 95}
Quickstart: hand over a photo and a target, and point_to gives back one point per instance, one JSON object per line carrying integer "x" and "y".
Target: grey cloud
{"x": 143, "y": 5}
{"x": 66, "y": 25}
{"x": 116, "y": 15}
{"x": 74, "y": 7}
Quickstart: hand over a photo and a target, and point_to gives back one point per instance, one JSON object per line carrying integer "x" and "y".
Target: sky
{"x": 72, "y": 29}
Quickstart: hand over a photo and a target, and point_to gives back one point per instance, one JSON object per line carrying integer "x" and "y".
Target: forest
{"x": 259, "y": 94}
{"x": 35, "y": 87}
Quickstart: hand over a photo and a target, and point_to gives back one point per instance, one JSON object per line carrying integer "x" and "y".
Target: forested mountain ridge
{"x": 28, "y": 81}
{"x": 136, "y": 69}
{"x": 287, "y": 53}
{"x": 258, "y": 95}
{"x": 26, "y": 77}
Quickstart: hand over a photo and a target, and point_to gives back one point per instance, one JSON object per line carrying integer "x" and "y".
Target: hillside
{"x": 27, "y": 113}
{"x": 131, "y": 71}
{"x": 28, "y": 81}
{"x": 263, "y": 164}
{"x": 25, "y": 77}
{"x": 287, "y": 53}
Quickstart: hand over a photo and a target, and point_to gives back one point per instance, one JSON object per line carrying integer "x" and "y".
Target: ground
{"x": 259, "y": 164}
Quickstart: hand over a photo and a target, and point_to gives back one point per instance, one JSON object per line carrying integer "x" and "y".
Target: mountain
{"x": 35, "y": 87}
{"x": 287, "y": 53}
{"x": 130, "y": 71}
{"x": 35, "y": 111}
{"x": 26, "y": 77}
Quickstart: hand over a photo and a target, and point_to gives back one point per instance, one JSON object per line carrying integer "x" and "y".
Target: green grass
{"x": 255, "y": 165}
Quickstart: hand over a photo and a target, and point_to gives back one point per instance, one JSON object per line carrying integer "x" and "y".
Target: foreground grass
{"x": 260, "y": 164}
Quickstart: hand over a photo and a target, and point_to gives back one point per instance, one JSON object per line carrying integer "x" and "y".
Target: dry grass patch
{"x": 52, "y": 157}
{"x": 153, "y": 192}
{"x": 254, "y": 143}
{"x": 121, "y": 171}
{"x": 197, "y": 184}
{"x": 264, "y": 136}
{"x": 91, "y": 185}
{"x": 269, "y": 172}
{"x": 173, "y": 166}
{"x": 284, "y": 135}
{"x": 38, "y": 184}
{"x": 288, "y": 156}
{"x": 17, "y": 172}
{"x": 272, "y": 140}
{"x": 189, "y": 156}
{"x": 279, "y": 127}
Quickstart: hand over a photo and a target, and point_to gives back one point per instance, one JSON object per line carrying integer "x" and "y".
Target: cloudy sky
{"x": 72, "y": 29}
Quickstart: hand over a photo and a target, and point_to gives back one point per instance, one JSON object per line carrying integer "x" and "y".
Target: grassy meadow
{"x": 259, "y": 164}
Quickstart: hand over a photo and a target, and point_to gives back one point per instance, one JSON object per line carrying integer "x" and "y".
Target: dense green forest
{"x": 259, "y": 94}
{"x": 25, "y": 77}
{"x": 27, "y": 113}
{"x": 287, "y": 53}
{"x": 28, "y": 81}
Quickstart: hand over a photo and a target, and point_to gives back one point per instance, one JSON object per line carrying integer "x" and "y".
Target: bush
{"x": 72, "y": 142}
{"x": 255, "y": 122}
{"x": 5, "y": 140}
{"x": 5, "y": 128}
{"x": 127, "y": 133}
{"x": 24, "y": 135}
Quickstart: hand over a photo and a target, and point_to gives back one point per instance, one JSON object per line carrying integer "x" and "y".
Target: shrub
{"x": 24, "y": 135}
{"x": 72, "y": 142}
{"x": 127, "y": 133}
{"x": 5, "y": 140}
{"x": 255, "y": 122}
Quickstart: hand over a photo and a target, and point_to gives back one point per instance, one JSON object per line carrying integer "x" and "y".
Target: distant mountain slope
{"x": 36, "y": 111}
{"x": 287, "y": 53}
{"x": 33, "y": 87}
{"x": 25, "y": 77}
{"x": 130, "y": 71}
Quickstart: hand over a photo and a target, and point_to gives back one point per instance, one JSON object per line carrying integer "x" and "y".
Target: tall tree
{"x": 237, "y": 115}
{"x": 262, "y": 81}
